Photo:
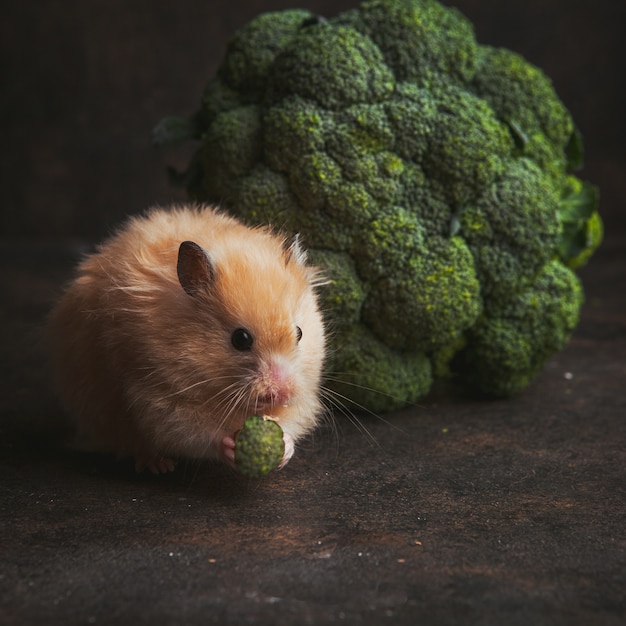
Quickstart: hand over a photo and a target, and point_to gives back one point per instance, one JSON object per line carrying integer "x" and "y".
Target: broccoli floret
{"x": 512, "y": 341}
{"x": 522, "y": 96}
{"x": 230, "y": 149}
{"x": 264, "y": 196}
{"x": 343, "y": 294}
{"x": 427, "y": 285}
{"x": 468, "y": 146}
{"x": 513, "y": 228}
{"x": 430, "y": 175}
{"x": 332, "y": 65}
{"x": 292, "y": 128}
{"x": 365, "y": 373}
{"x": 253, "y": 50}
{"x": 422, "y": 41}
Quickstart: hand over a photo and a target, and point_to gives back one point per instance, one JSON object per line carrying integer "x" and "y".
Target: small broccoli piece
{"x": 512, "y": 341}
{"x": 430, "y": 175}
{"x": 259, "y": 447}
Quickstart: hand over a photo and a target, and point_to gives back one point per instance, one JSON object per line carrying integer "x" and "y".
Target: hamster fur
{"x": 161, "y": 349}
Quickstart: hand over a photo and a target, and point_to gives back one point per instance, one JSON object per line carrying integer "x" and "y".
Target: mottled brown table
{"x": 463, "y": 511}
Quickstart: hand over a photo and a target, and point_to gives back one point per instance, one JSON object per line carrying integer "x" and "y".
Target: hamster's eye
{"x": 242, "y": 340}
{"x": 298, "y": 333}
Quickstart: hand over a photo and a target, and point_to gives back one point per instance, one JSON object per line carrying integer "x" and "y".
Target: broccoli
{"x": 259, "y": 447}
{"x": 430, "y": 175}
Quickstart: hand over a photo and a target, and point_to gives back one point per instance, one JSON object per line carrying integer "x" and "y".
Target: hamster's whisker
{"x": 341, "y": 379}
{"x": 229, "y": 400}
{"x": 361, "y": 408}
{"x": 337, "y": 401}
{"x": 234, "y": 399}
{"x": 225, "y": 395}
{"x": 328, "y": 414}
{"x": 205, "y": 381}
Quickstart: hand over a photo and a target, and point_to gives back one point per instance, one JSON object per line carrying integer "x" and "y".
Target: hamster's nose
{"x": 277, "y": 385}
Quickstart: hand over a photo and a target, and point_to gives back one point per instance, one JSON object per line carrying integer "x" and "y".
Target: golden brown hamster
{"x": 179, "y": 327}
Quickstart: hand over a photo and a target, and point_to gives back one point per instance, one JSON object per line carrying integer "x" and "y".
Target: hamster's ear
{"x": 294, "y": 251}
{"x": 195, "y": 270}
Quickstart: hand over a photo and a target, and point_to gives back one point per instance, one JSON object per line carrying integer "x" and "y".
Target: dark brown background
{"x": 84, "y": 82}
{"x": 458, "y": 511}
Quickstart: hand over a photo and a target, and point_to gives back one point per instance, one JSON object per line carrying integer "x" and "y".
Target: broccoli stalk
{"x": 430, "y": 175}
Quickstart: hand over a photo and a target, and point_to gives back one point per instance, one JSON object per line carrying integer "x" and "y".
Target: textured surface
{"x": 518, "y": 506}
{"x": 459, "y": 511}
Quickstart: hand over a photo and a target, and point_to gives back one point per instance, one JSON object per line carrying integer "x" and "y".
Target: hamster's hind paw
{"x": 156, "y": 464}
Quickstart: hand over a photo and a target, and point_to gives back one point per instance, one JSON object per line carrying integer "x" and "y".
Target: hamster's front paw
{"x": 227, "y": 450}
{"x": 156, "y": 464}
{"x": 289, "y": 450}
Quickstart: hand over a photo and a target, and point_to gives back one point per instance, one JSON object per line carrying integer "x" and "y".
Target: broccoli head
{"x": 431, "y": 176}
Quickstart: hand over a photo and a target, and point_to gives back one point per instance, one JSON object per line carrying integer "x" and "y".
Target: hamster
{"x": 178, "y": 328}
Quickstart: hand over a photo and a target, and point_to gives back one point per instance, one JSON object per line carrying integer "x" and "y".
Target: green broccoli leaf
{"x": 574, "y": 151}
{"x": 581, "y": 231}
{"x": 174, "y": 130}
